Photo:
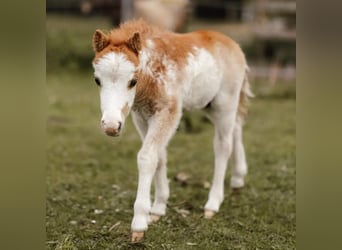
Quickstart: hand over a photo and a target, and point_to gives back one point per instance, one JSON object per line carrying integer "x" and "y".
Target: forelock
{"x": 114, "y": 64}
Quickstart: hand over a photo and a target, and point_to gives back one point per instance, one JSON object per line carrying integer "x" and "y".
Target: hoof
{"x": 154, "y": 217}
{"x": 137, "y": 237}
{"x": 208, "y": 214}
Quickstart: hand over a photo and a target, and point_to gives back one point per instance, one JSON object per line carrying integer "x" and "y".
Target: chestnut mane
{"x": 120, "y": 35}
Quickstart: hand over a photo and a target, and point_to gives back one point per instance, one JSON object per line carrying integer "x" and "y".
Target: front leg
{"x": 147, "y": 164}
{"x": 161, "y": 126}
{"x": 161, "y": 188}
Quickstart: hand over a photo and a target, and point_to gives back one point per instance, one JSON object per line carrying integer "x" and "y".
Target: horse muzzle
{"x": 112, "y": 129}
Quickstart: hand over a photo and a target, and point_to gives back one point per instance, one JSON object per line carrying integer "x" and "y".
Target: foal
{"x": 157, "y": 74}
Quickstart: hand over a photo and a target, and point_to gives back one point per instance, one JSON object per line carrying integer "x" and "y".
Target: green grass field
{"x": 92, "y": 178}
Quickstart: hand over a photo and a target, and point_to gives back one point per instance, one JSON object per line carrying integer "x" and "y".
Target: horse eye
{"x": 97, "y": 80}
{"x": 132, "y": 83}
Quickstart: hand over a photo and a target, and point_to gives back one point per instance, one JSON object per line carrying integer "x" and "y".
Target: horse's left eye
{"x": 132, "y": 83}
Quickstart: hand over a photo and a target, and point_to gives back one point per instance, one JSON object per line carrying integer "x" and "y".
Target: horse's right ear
{"x": 100, "y": 41}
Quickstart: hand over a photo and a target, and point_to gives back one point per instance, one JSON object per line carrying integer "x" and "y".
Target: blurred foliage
{"x": 69, "y": 41}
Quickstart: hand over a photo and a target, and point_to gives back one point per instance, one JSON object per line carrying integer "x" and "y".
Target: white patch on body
{"x": 150, "y": 43}
{"x": 145, "y": 59}
{"x": 202, "y": 79}
{"x": 114, "y": 71}
{"x": 170, "y": 78}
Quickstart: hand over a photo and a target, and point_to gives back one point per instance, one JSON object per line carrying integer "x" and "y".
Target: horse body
{"x": 203, "y": 78}
{"x": 157, "y": 74}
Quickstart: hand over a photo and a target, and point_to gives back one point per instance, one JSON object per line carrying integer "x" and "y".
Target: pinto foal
{"x": 157, "y": 74}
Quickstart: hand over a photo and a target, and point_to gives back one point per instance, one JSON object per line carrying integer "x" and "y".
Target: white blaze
{"x": 114, "y": 71}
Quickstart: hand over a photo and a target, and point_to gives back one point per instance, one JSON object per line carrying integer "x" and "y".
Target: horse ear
{"x": 100, "y": 41}
{"x": 135, "y": 42}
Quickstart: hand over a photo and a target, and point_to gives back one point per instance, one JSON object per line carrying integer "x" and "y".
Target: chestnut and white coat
{"x": 157, "y": 74}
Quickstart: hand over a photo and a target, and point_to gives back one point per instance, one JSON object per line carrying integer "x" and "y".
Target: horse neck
{"x": 151, "y": 72}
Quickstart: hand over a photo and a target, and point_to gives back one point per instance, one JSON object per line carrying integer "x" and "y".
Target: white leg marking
{"x": 239, "y": 166}
{"x": 161, "y": 187}
{"x": 147, "y": 164}
{"x": 222, "y": 148}
{"x": 159, "y": 132}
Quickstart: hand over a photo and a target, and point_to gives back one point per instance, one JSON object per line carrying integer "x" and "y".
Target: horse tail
{"x": 245, "y": 94}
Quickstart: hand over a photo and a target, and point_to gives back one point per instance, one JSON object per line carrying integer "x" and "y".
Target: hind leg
{"x": 223, "y": 140}
{"x": 239, "y": 166}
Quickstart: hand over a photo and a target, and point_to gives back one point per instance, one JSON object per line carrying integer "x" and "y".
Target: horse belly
{"x": 203, "y": 78}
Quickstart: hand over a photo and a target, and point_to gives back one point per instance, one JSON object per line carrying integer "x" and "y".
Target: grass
{"x": 92, "y": 179}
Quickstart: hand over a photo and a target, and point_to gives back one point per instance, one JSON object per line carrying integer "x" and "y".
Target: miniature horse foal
{"x": 157, "y": 74}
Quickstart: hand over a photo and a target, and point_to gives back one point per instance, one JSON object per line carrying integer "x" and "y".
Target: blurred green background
{"x": 92, "y": 179}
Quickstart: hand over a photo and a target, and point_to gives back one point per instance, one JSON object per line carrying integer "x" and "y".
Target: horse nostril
{"x": 102, "y": 122}
{"x": 119, "y": 128}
